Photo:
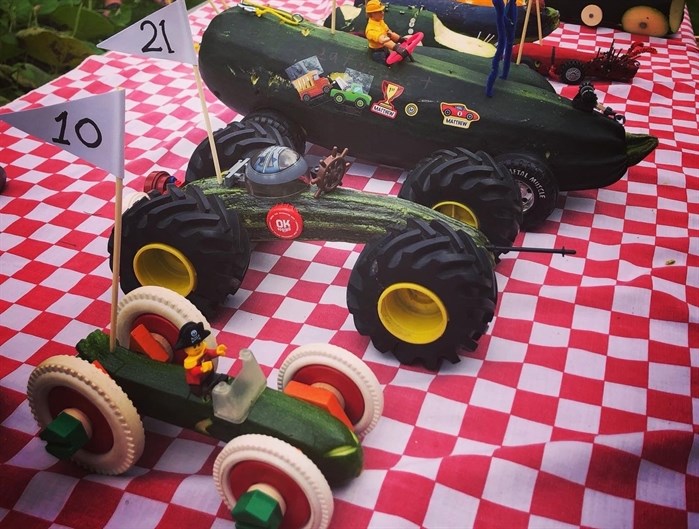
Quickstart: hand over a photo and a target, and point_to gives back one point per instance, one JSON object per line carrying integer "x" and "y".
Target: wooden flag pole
{"x": 207, "y": 123}
{"x": 524, "y": 29}
{"x": 538, "y": 22}
{"x": 332, "y": 17}
{"x": 211, "y": 3}
{"x": 116, "y": 262}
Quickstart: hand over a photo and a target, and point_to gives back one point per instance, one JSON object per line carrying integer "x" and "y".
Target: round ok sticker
{"x": 284, "y": 221}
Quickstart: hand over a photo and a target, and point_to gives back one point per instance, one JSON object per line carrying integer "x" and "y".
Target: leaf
{"x": 44, "y": 7}
{"x": 9, "y": 47}
{"x": 91, "y": 25}
{"x": 29, "y": 76}
{"x": 54, "y": 48}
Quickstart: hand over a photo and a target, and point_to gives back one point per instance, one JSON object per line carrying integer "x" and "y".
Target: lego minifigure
{"x": 199, "y": 366}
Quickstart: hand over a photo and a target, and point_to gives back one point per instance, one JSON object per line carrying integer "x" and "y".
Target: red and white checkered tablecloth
{"x": 580, "y": 407}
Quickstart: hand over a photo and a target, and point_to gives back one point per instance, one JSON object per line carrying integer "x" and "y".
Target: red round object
{"x": 156, "y": 180}
{"x": 247, "y": 473}
{"x": 159, "y": 325}
{"x": 284, "y": 221}
{"x": 354, "y": 402}
{"x": 61, "y": 398}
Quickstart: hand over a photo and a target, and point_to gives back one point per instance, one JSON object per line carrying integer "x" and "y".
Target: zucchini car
{"x": 282, "y": 451}
{"x": 656, "y": 18}
{"x": 258, "y": 61}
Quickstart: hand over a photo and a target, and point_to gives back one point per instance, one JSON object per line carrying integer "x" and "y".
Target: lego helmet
{"x": 191, "y": 334}
{"x": 374, "y": 6}
{"x": 277, "y": 172}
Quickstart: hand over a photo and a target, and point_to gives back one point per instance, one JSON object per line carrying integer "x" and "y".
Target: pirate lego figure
{"x": 199, "y": 366}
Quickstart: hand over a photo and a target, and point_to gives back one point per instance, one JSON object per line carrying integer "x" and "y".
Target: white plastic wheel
{"x": 345, "y": 363}
{"x": 252, "y": 460}
{"x": 131, "y": 199}
{"x": 161, "y": 302}
{"x": 62, "y": 382}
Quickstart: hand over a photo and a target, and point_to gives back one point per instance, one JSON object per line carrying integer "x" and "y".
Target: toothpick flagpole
{"x": 332, "y": 17}
{"x": 207, "y": 124}
{"x": 116, "y": 261}
{"x": 524, "y": 29}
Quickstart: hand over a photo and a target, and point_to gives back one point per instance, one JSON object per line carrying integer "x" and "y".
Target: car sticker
{"x": 458, "y": 115}
{"x": 385, "y": 107}
{"x": 307, "y": 78}
{"x": 351, "y": 89}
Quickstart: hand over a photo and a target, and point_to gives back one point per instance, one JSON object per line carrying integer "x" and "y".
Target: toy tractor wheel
{"x": 110, "y": 420}
{"x": 645, "y": 20}
{"x": 328, "y": 175}
{"x": 572, "y": 72}
{"x": 344, "y": 374}
{"x": 187, "y": 242}
{"x": 234, "y": 142}
{"x": 162, "y": 312}
{"x": 537, "y": 187}
{"x": 591, "y": 15}
{"x": 287, "y": 128}
{"x": 470, "y": 187}
{"x": 259, "y": 462}
{"x": 423, "y": 292}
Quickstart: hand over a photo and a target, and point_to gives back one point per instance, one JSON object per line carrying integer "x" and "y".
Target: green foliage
{"x": 43, "y": 39}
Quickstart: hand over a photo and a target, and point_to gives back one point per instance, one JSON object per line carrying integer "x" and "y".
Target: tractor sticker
{"x": 306, "y": 76}
{"x": 385, "y": 107}
{"x": 351, "y": 89}
{"x": 458, "y": 115}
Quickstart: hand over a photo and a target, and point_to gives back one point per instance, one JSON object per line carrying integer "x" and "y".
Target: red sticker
{"x": 284, "y": 221}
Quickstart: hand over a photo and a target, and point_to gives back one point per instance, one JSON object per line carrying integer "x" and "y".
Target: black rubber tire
{"x": 200, "y": 227}
{"x": 287, "y": 128}
{"x": 440, "y": 259}
{"x": 474, "y": 180}
{"x": 538, "y": 187}
{"x": 572, "y": 72}
{"x": 234, "y": 142}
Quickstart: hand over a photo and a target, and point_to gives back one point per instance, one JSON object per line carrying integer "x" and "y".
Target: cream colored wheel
{"x": 346, "y": 375}
{"x": 260, "y": 461}
{"x": 162, "y": 311}
{"x": 70, "y": 383}
{"x": 591, "y": 15}
{"x": 132, "y": 198}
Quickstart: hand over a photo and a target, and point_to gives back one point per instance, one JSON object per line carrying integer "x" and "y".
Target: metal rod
{"x": 505, "y": 249}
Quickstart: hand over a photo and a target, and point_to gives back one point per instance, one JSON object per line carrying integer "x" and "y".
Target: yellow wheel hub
{"x": 457, "y": 211}
{"x": 412, "y": 313}
{"x": 162, "y": 265}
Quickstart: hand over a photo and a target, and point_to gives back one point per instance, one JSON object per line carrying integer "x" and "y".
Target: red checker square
{"x": 69, "y": 219}
{"x": 14, "y": 481}
{"x": 644, "y": 201}
{"x": 8, "y": 365}
{"x": 429, "y": 443}
{"x": 252, "y": 279}
{"x": 332, "y": 256}
{"x": 666, "y": 307}
{"x": 177, "y": 516}
{"x": 664, "y": 353}
{"x": 613, "y": 421}
{"x": 492, "y": 515}
{"x": 342, "y": 277}
{"x": 627, "y": 372}
{"x": 16, "y": 519}
{"x": 638, "y": 254}
{"x": 535, "y": 407}
{"x": 484, "y": 425}
{"x": 604, "y": 269}
{"x": 673, "y": 218}
{"x": 692, "y": 489}
{"x": 356, "y": 515}
{"x": 105, "y": 191}
{"x": 290, "y": 267}
{"x": 629, "y": 326}
{"x": 542, "y": 355}
{"x": 41, "y": 298}
{"x": 554, "y": 312}
{"x": 527, "y": 455}
{"x": 613, "y": 471}
{"x": 307, "y": 291}
{"x": 96, "y": 313}
{"x": 91, "y": 286}
{"x": 167, "y": 485}
{"x": 505, "y": 373}
{"x": 453, "y": 387}
{"x": 34, "y": 272}
{"x": 405, "y": 494}
{"x": 589, "y": 340}
{"x": 466, "y": 474}
{"x": 279, "y": 331}
{"x": 84, "y": 262}
{"x": 13, "y": 441}
{"x": 90, "y": 505}
{"x": 29, "y": 248}
{"x": 46, "y": 324}
{"x": 155, "y": 447}
{"x": 564, "y": 434}
{"x": 659, "y": 516}
{"x": 50, "y": 349}
{"x": 262, "y": 303}
{"x": 582, "y": 389}
{"x": 327, "y": 316}
{"x": 669, "y": 449}
{"x": 557, "y": 498}
{"x": 601, "y": 297}
{"x": 402, "y": 403}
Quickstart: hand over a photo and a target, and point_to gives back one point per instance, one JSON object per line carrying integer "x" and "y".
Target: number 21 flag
{"x": 91, "y": 128}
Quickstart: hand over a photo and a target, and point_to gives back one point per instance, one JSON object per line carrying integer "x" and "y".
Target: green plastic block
{"x": 64, "y": 436}
{"x": 255, "y": 510}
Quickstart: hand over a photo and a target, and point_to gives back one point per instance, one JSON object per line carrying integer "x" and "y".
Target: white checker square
{"x": 44, "y": 212}
{"x": 510, "y": 484}
{"x": 389, "y": 435}
{"x": 492, "y": 396}
{"x": 381, "y": 187}
{"x": 380, "y": 520}
{"x": 669, "y": 332}
{"x": 12, "y": 289}
{"x": 578, "y": 203}
{"x": 449, "y": 504}
{"x": 70, "y": 305}
{"x": 441, "y": 415}
{"x": 670, "y": 378}
{"x": 56, "y": 255}
{"x": 603, "y": 511}
{"x": 561, "y": 293}
{"x": 18, "y": 316}
{"x": 540, "y": 522}
{"x": 275, "y": 284}
{"x": 36, "y": 502}
{"x": 245, "y": 323}
{"x": 569, "y": 460}
{"x": 427, "y": 467}
{"x": 603, "y": 252}
{"x": 334, "y": 295}
{"x": 503, "y": 350}
{"x": 21, "y": 346}
{"x": 8, "y": 240}
{"x": 62, "y": 279}
{"x": 88, "y": 204}
{"x": 668, "y": 157}
{"x": 605, "y": 222}
{"x": 302, "y": 250}
{"x": 585, "y": 364}
{"x": 50, "y": 233}
{"x": 33, "y": 455}
{"x": 523, "y": 432}
{"x": 17, "y": 379}
{"x": 132, "y": 507}
{"x": 413, "y": 379}
{"x": 661, "y": 486}
{"x": 294, "y": 310}
{"x": 363, "y": 490}
{"x": 529, "y": 272}
{"x": 631, "y": 300}
{"x": 578, "y": 416}
{"x": 623, "y": 397}
{"x": 628, "y": 348}
{"x": 539, "y": 379}
{"x": 591, "y": 319}
{"x": 266, "y": 352}
{"x": 574, "y": 232}
{"x": 199, "y": 493}
{"x": 676, "y": 290}
{"x": 313, "y": 334}
{"x": 320, "y": 273}
{"x": 22, "y": 420}
{"x": 96, "y": 225}
{"x": 468, "y": 447}
{"x": 631, "y": 443}
{"x": 519, "y": 306}
{"x": 184, "y": 456}
{"x": 570, "y": 264}
{"x": 549, "y": 335}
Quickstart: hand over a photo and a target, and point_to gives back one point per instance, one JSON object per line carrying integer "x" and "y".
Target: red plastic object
{"x": 320, "y": 397}
{"x": 284, "y": 221}
{"x": 410, "y": 44}
{"x": 157, "y": 180}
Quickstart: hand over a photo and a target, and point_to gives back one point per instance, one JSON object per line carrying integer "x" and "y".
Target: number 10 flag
{"x": 91, "y": 128}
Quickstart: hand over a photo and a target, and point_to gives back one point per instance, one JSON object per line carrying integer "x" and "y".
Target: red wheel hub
{"x": 62, "y": 397}
{"x": 159, "y": 325}
{"x": 354, "y": 402}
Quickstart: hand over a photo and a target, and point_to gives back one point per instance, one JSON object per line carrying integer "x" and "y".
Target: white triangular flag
{"x": 91, "y": 128}
{"x": 164, "y": 34}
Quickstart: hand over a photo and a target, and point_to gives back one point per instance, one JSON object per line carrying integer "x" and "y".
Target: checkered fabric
{"x": 580, "y": 407}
